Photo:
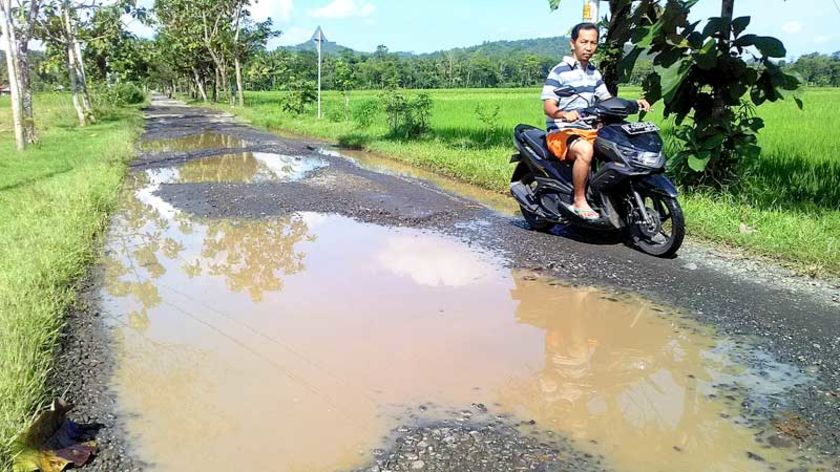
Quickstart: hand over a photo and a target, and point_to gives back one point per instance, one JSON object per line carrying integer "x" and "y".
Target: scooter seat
{"x": 535, "y": 138}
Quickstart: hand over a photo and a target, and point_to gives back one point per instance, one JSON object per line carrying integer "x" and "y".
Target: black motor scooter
{"x": 626, "y": 188}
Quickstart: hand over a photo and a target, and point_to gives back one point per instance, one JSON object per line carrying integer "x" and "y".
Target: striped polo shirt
{"x": 588, "y": 83}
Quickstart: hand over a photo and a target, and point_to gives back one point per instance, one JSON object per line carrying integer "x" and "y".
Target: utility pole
{"x": 319, "y": 39}
{"x": 590, "y": 11}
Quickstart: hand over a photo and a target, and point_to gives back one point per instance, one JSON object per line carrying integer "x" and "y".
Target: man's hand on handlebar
{"x": 568, "y": 116}
{"x": 643, "y": 105}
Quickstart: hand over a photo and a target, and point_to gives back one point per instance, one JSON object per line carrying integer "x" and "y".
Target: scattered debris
{"x": 793, "y": 426}
{"x": 53, "y": 442}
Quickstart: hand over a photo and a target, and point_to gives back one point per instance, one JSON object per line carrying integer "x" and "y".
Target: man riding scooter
{"x": 569, "y": 140}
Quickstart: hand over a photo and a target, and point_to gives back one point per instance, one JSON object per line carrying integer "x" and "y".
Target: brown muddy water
{"x": 299, "y": 343}
{"x": 193, "y": 142}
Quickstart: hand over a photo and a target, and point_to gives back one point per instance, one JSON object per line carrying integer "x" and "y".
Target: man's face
{"x": 586, "y": 45}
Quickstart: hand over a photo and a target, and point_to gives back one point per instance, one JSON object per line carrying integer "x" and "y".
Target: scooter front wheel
{"x": 663, "y": 235}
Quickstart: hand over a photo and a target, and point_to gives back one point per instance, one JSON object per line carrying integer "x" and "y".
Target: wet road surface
{"x": 276, "y": 306}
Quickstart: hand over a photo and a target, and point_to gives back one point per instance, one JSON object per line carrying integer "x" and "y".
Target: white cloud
{"x": 344, "y": 9}
{"x": 278, "y": 10}
{"x": 792, "y": 27}
{"x": 822, "y": 39}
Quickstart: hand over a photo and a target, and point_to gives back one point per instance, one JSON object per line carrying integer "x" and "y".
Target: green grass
{"x": 54, "y": 200}
{"x": 789, "y": 199}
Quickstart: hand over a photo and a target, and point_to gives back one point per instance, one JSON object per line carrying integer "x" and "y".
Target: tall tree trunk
{"x": 30, "y": 133}
{"x": 727, "y": 8}
{"x": 12, "y": 65}
{"x": 239, "y": 92}
{"x": 82, "y": 75}
{"x": 25, "y": 34}
{"x": 200, "y": 85}
{"x": 216, "y": 86}
{"x": 75, "y": 69}
{"x": 74, "y": 87}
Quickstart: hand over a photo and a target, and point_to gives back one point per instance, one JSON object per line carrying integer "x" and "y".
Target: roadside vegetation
{"x": 785, "y": 205}
{"x": 55, "y": 198}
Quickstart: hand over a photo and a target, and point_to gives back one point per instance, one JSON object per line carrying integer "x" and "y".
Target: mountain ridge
{"x": 555, "y": 46}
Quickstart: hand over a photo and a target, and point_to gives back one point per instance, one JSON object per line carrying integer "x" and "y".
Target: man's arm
{"x": 554, "y": 112}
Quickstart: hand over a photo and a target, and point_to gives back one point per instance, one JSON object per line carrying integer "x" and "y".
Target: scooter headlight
{"x": 651, "y": 160}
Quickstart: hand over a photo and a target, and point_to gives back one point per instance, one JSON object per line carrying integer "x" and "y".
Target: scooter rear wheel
{"x": 536, "y": 223}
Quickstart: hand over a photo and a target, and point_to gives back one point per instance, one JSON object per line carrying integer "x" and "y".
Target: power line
{"x": 837, "y": 5}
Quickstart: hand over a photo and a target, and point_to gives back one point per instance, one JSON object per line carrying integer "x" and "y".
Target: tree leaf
{"x": 767, "y": 45}
{"x": 716, "y": 27}
{"x": 697, "y": 165}
{"x": 707, "y": 56}
{"x": 553, "y": 4}
{"x": 713, "y": 142}
{"x": 671, "y": 78}
{"x": 739, "y": 25}
{"x": 53, "y": 442}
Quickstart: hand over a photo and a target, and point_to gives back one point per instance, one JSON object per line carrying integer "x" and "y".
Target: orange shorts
{"x": 558, "y": 141}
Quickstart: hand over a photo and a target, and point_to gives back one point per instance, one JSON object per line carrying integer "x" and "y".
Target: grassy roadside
{"x": 788, "y": 209}
{"x": 54, "y": 199}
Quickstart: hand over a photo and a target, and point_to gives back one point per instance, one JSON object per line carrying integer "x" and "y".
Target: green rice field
{"x": 788, "y": 207}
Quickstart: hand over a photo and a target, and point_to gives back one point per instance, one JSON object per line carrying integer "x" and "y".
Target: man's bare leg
{"x": 581, "y": 153}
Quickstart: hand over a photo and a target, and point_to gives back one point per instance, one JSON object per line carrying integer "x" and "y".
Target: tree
{"x": 63, "y": 26}
{"x": 17, "y": 25}
{"x": 703, "y": 75}
{"x": 344, "y": 80}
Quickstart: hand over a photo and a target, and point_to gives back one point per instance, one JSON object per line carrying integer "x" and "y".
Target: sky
{"x": 431, "y": 25}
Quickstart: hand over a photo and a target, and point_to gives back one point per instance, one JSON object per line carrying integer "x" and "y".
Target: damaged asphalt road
{"x": 794, "y": 326}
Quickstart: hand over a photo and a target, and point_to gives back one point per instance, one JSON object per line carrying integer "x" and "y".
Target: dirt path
{"x": 213, "y": 200}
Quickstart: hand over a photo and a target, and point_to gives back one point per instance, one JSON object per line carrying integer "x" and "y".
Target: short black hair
{"x": 584, "y": 27}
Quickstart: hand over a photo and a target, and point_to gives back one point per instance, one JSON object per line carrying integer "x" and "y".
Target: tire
{"x": 524, "y": 174}
{"x": 663, "y": 244}
{"x": 535, "y": 222}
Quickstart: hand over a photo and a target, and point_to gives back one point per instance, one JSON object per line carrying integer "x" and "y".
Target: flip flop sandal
{"x": 590, "y": 215}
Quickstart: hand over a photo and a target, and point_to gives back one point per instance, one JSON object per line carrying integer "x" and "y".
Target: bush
{"x": 407, "y": 118}
{"x": 365, "y": 114}
{"x": 301, "y": 93}
{"x": 356, "y": 141}
{"x": 120, "y": 95}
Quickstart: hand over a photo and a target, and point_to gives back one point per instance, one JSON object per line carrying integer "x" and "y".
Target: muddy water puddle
{"x": 502, "y": 203}
{"x": 193, "y": 142}
{"x": 247, "y": 167}
{"x": 299, "y": 343}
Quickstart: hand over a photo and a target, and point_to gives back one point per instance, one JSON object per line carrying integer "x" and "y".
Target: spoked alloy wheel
{"x": 663, "y": 234}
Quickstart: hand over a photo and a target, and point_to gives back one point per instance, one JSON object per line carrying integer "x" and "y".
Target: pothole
{"x": 301, "y": 342}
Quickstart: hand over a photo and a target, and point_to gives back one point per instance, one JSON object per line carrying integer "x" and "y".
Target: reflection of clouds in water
{"x": 434, "y": 261}
{"x": 156, "y": 178}
{"x": 654, "y": 400}
{"x": 288, "y": 167}
{"x": 313, "y": 220}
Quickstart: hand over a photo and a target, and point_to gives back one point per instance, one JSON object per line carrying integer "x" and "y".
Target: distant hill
{"x": 552, "y": 47}
{"x": 329, "y": 48}
{"x": 557, "y": 46}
